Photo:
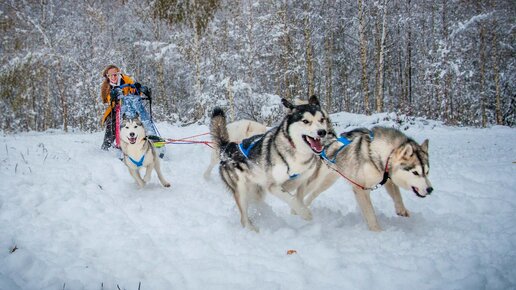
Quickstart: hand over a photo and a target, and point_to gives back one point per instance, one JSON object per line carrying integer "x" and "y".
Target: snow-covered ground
{"x": 71, "y": 217}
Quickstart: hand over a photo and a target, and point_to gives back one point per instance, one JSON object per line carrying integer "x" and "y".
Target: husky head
{"x": 410, "y": 168}
{"x": 132, "y": 130}
{"x": 306, "y": 124}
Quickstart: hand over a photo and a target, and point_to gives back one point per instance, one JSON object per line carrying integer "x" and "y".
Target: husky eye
{"x": 415, "y": 173}
{"x": 135, "y": 127}
{"x": 322, "y": 120}
{"x": 306, "y": 121}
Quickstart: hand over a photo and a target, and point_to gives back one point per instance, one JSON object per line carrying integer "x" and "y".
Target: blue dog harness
{"x": 245, "y": 152}
{"x": 137, "y": 163}
{"x": 345, "y": 142}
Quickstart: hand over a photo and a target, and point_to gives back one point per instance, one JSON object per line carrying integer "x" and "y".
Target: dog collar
{"x": 137, "y": 163}
{"x": 386, "y": 172}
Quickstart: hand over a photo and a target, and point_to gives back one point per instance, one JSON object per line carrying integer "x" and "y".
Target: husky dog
{"x": 266, "y": 163}
{"x": 368, "y": 158}
{"x": 237, "y": 131}
{"x": 139, "y": 152}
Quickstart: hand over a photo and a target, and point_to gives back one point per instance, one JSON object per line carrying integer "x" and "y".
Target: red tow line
{"x": 188, "y": 140}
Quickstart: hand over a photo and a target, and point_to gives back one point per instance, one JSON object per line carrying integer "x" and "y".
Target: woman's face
{"x": 113, "y": 74}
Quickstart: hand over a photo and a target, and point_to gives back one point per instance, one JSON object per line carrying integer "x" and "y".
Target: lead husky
{"x": 237, "y": 131}
{"x": 139, "y": 152}
{"x": 264, "y": 163}
{"x": 372, "y": 157}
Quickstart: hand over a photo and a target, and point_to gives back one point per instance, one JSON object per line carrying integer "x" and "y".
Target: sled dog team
{"x": 297, "y": 160}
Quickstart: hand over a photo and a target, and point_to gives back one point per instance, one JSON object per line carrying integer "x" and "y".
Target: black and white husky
{"x": 139, "y": 152}
{"x": 274, "y": 162}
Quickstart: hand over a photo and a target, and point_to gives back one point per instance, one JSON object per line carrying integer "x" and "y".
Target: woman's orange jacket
{"x": 106, "y": 96}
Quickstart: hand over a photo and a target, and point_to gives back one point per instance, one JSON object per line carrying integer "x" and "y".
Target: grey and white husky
{"x": 285, "y": 154}
{"x": 368, "y": 158}
{"x": 237, "y": 131}
{"x": 139, "y": 152}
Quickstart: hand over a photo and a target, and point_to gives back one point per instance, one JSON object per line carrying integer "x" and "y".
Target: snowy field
{"x": 71, "y": 217}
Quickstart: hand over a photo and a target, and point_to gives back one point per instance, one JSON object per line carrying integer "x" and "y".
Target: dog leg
{"x": 242, "y": 203}
{"x": 148, "y": 171}
{"x": 364, "y": 201}
{"x": 136, "y": 175}
{"x": 293, "y": 201}
{"x": 394, "y": 192}
{"x": 327, "y": 183}
{"x": 162, "y": 179}
{"x": 213, "y": 162}
{"x": 300, "y": 195}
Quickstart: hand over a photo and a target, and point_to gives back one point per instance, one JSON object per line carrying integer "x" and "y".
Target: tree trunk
{"x": 447, "y": 76}
{"x": 363, "y": 56}
{"x": 496, "y": 69}
{"x": 482, "y": 62}
{"x": 47, "y": 112}
{"x": 199, "y": 108}
{"x": 434, "y": 81}
{"x": 287, "y": 52}
{"x": 309, "y": 57}
{"x": 197, "y": 56}
{"x": 380, "y": 72}
{"x": 329, "y": 77}
{"x": 249, "y": 42}
{"x": 408, "y": 66}
{"x": 231, "y": 98}
{"x": 62, "y": 96}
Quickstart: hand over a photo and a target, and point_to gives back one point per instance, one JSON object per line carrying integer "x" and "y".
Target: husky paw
{"x": 375, "y": 228}
{"x": 252, "y": 228}
{"x": 166, "y": 184}
{"x": 293, "y": 212}
{"x": 403, "y": 212}
{"x": 305, "y": 213}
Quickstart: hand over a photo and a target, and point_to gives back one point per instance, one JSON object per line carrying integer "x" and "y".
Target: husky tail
{"x": 218, "y": 128}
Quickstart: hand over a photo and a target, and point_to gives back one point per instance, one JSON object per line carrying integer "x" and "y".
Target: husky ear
{"x": 424, "y": 146}
{"x": 287, "y": 104}
{"x": 137, "y": 116}
{"x": 314, "y": 101}
{"x": 123, "y": 116}
{"x": 407, "y": 150}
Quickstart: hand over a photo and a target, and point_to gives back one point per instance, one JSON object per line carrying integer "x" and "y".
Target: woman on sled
{"x": 118, "y": 88}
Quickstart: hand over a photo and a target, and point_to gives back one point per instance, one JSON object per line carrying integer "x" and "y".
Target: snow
{"x": 78, "y": 221}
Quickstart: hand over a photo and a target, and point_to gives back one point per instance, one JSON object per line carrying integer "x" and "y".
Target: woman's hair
{"x": 104, "y": 72}
{"x": 105, "y": 88}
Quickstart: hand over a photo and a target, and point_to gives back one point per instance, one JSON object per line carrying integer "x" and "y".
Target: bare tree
{"x": 380, "y": 59}
{"x": 363, "y": 56}
{"x": 309, "y": 55}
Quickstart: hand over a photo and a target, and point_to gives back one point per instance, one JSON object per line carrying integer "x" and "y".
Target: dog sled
{"x": 137, "y": 105}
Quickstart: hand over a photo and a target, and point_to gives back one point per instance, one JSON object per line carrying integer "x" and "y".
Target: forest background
{"x": 448, "y": 60}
